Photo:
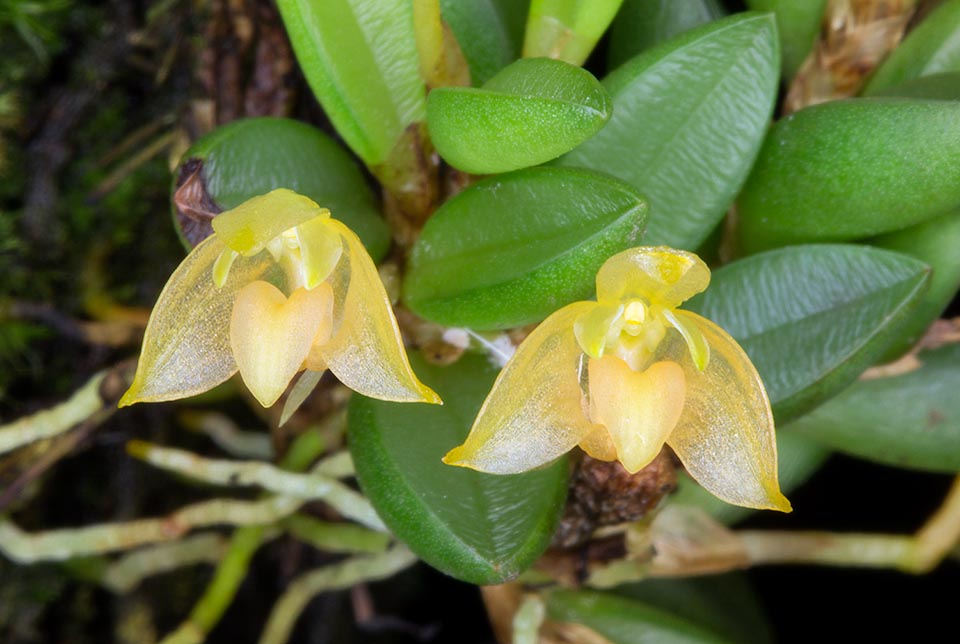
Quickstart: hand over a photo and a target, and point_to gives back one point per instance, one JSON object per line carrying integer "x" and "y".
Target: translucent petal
{"x": 366, "y": 351}
{"x": 725, "y": 437}
{"x": 271, "y": 335}
{"x": 639, "y": 409}
{"x": 249, "y": 227}
{"x": 533, "y": 413}
{"x": 186, "y": 347}
{"x": 302, "y": 388}
{"x": 599, "y": 444}
{"x": 221, "y": 267}
{"x": 320, "y": 250}
{"x": 657, "y": 274}
{"x": 593, "y": 328}
{"x": 699, "y": 349}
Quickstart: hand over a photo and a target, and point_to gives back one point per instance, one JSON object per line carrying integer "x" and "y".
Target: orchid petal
{"x": 320, "y": 250}
{"x": 534, "y": 412}
{"x": 186, "y": 347}
{"x": 696, "y": 343}
{"x": 249, "y": 227}
{"x": 639, "y": 409}
{"x": 271, "y": 335}
{"x": 657, "y": 274}
{"x": 299, "y": 392}
{"x": 366, "y": 351}
{"x": 725, "y": 436}
{"x": 593, "y": 330}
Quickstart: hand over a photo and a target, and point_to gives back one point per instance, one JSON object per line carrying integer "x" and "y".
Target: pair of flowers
{"x": 282, "y": 289}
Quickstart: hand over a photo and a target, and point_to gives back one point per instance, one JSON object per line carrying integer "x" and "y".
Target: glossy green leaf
{"x": 851, "y": 169}
{"x": 690, "y": 154}
{"x": 360, "y": 58}
{"x": 567, "y": 30}
{"x": 812, "y": 318}
{"x": 798, "y": 458}
{"x": 481, "y": 528}
{"x": 625, "y": 621}
{"x": 490, "y": 33}
{"x": 939, "y": 87}
{"x": 532, "y": 111}
{"x": 911, "y": 420}
{"x": 641, "y": 24}
{"x": 798, "y": 23}
{"x": 936, "y": 243}
{"x": 723, "y": 604}
{"x": 512, "y": 249}
{"x": 251, "y": 157}
{"x": 930, "y": 48}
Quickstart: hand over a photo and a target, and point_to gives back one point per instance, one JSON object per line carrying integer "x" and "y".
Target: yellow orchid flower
{"x": 624, "y": 375}
{"x": 279, "y": 287}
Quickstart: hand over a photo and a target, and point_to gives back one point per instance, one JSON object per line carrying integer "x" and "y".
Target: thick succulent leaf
{"x": 512, "y": 249}
{"x": 812, "y": 318}
{"x": 531, "y": 112}
{"x": 534, "y": 412}
{"x": 625, "y": 621}
{"x": 689, "y": 160}
{"x": 641, "y": 24}
{"x": 361, "y": 60}
{"x": 480, "y": 528}
{"x": 366, "y": 351}
{"x": 798, "y": 458}
{"x": 186, "y": 347}
{"x": 910, "y": 420}
{"x": 934, "y": 243}
{"x": 490, "y": 33}
{"x": 270, "y": 335}
{"x": 725, "y": 437}
{"x": 251, "y": 157}
{"x": 248, "y": 228}
{"x": 932, "y": 47}
{"x": 798, "y": 23}
{"x": 850, "y": 169}
{"x": 567, "y": 30}
{"x": 723, "y": 604}
{"x": 939, "y": 87}
{"x": 659, "y": 275}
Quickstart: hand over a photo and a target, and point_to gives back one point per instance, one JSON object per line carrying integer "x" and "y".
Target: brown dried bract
{"x": 195, "y": 208}
{"x": 603, "y": 493}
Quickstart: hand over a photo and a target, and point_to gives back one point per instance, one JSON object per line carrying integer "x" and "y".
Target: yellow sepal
{"x": 725, "y": 436}
{"x": 366, "y": 351}
{"x": 534, "y": 413}
{"x": 660, "y": 275}
{"x": 249, "y": 227}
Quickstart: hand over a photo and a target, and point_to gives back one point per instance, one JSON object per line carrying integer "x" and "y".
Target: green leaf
{"x": 361, "y": 61}
{"x": 798, "y": 23}
{"x": 490, "y": 33}
{"x": 930, "y": 48}
{"x": 688, "y": 119}
{"x": 911, "y": 420}
{"x": 567, "y": 30}
{"x": 533, "y": 111}
{"x": 939, "y": 87}
{"x": 624, "y": 621}
{"x": 812, "y": 318}
{"x": 935, "y": 243}
{"x": 481, "y": 528}
{"x": 798, "y": 458}
{"x": 851, "y": 169}
{"x": 641, "y": 24}
{"x": 723, "y": 604}
{"x": 512, "y": 249}
{"x": 251, "y": 157}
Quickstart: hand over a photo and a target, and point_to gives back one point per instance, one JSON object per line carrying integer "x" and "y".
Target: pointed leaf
{"x": 798, "y": 23}
{"x": 910, "y": 420}
{"x": 851, "y": 169}
{"x": 625, "y": 621}
{"x": 481, "y": 528}
{"x": 360, "y": 58}
{"x": 512, "y": 249}
{"x": 932, "y": 47}
{"x": 691, "y": 159}
{"x": 251, "y": 157}
{"x": 812, "y": 318}
{"x": 490, "y": 33}
{"x": 641, "y": 24}
{"x": 939, "y": 87}
{"x": 531, "y": 112}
